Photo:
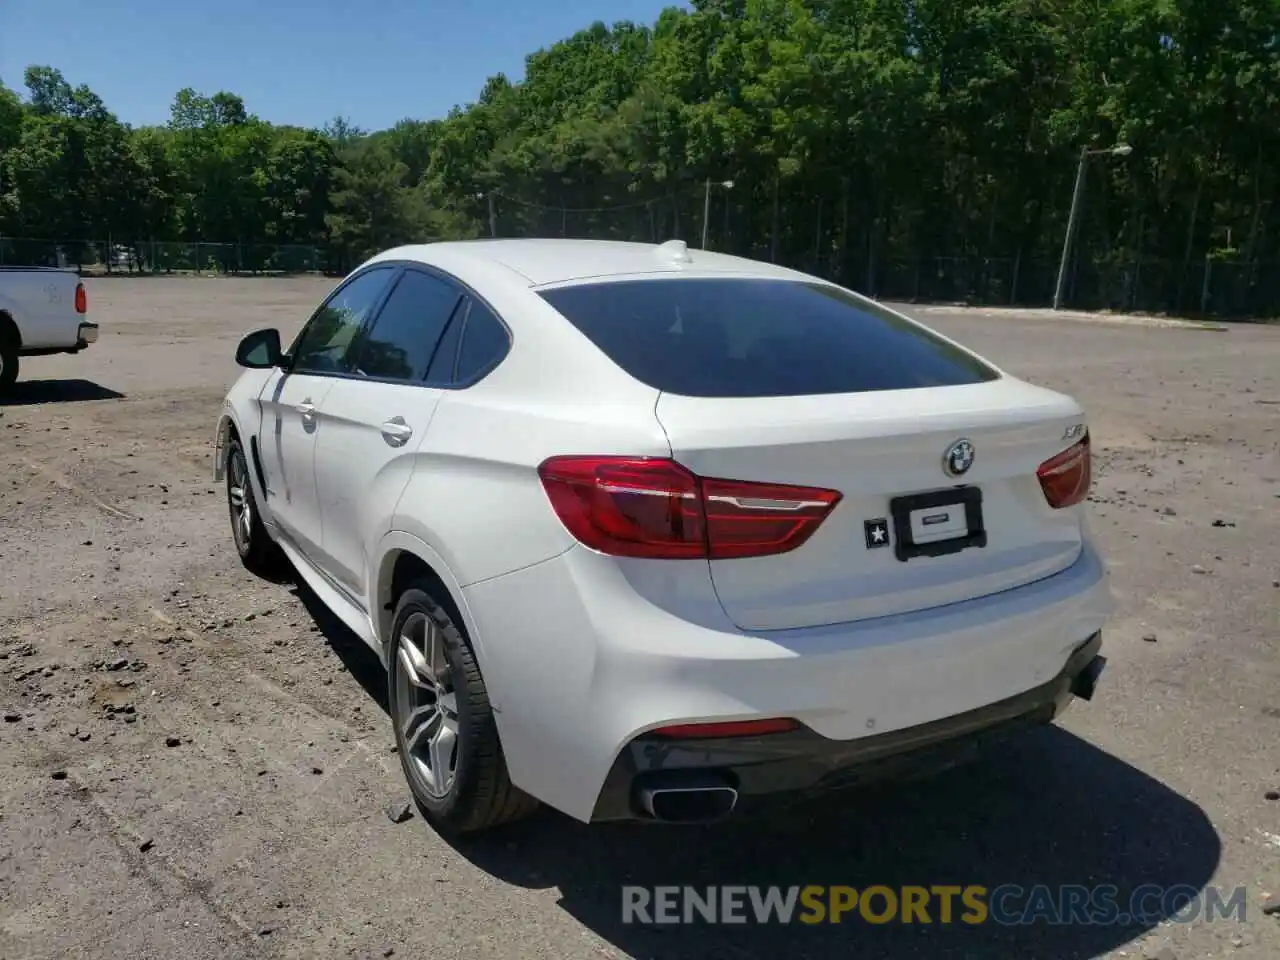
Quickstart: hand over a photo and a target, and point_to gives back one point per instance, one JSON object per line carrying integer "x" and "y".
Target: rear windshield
{"x": 759, "y": 338}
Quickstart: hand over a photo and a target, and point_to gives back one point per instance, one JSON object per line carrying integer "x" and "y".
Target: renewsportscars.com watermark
{"x": 971, "y": 905}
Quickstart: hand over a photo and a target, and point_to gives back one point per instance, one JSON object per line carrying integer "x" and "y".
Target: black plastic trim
{"x": 257, "y": 465}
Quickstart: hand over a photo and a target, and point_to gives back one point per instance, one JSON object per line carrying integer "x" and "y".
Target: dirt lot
{"x": 197, "y": 763}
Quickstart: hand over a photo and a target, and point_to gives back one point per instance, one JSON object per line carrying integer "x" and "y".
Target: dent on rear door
{"x": 287, "y": 449}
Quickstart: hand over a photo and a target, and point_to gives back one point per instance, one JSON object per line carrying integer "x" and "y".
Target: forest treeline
{"x": 907, "y": 147}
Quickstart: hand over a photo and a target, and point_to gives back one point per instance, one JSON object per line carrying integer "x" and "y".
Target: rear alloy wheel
{"x": 444, "y": 726}
{"x": 258, "y": 552}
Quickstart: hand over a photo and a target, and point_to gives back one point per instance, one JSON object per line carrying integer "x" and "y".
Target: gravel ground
{"x": 198, "y": 764}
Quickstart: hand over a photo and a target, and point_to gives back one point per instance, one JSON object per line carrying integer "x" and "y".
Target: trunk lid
{"x": 874, "y": 447}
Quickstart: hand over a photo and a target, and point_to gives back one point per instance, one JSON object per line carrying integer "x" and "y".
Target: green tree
{"x": 906, "y": 147}
{"x": 369, "y": 203}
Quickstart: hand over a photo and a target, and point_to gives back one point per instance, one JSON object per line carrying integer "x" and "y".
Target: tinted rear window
{"x": 759, "y": 338}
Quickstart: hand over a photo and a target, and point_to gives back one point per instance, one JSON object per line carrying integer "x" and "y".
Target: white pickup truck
{"x": 43, "y": 310}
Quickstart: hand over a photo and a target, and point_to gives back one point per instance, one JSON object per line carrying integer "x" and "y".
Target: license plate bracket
{"x": 903, "y": 510}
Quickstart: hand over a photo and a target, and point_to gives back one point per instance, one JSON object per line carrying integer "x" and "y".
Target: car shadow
{"x": 1049, "y": 809}
{"x": 1045, "y": 808}
{"x": 361, "y": 662}
{"x": 31, "y": 392}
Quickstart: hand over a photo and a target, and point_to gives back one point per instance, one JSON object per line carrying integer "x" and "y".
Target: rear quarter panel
{"x": 475, "y": 495}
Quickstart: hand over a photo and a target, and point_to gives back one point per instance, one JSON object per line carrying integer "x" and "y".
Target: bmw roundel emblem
{"x": 958, "y": 458}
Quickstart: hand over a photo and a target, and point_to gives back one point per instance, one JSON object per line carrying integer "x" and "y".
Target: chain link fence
{"x": 1207, "y": 286}
{"x": 110, "y": 257}
{"x": 1204, "y": 285}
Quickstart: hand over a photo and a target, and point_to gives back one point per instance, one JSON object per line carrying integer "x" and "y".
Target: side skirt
{"x": 330, "y": 594}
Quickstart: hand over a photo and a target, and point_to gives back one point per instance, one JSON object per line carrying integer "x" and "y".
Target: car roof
{"x": 545, "y": 262}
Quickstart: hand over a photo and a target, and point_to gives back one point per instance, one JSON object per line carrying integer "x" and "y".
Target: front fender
{"x": 227, "y": 422}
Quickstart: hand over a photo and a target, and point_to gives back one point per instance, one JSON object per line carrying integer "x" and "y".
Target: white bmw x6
{"x": 646, "y": 533}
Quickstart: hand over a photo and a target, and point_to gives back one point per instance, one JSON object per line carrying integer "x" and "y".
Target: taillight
{"x": 1065, "y": 478}
{"x": 82, "y": 299}
{"x": 656, "y": 508}
{"x": 732, "y": 728}
{"x": 759, "y": 519}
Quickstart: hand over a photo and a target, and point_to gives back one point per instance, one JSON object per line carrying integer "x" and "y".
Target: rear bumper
{"x": 86, "y": 334}
{"x": 805, "y": 763}
{"x": 584, "y": 655}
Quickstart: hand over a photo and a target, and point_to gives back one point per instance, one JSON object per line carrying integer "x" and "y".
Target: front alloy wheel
{"x": 258, "y": 552}
{"x": 240, "y": 502}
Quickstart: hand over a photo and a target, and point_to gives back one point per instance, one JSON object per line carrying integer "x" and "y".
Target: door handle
{"x": 396, "y": 432}
{"x": 307, "y": 409}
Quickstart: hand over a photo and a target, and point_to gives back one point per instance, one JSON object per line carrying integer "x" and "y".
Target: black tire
{"x": 8, "y": 358}
{"x": 258, "y": 552}
{"x": 481, "y": 795}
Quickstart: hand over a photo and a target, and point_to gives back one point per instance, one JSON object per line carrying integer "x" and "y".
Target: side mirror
{"x": 260, "y": 350}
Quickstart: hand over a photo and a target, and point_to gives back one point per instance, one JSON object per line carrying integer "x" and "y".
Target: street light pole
{"x": 493, "y": 213}
{"x": 706, "y": 212}
{"x": 706, "y": 208}
{"x": 1073, "y": 218}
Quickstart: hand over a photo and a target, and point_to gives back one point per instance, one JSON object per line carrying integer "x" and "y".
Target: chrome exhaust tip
{"x": 687, "y": 799}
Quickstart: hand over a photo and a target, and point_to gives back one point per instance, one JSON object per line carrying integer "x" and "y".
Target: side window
{"x": 400, "y": 344}
{"x": 441, "y": 372}
{"x": 323, "y": 345}
{"x": 484, "y": 343}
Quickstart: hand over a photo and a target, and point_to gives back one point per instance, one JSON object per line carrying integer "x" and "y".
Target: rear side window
{"x": 404, "y": 335}
{"x": 484, "y": 343}
{"x": 737, "y": 337}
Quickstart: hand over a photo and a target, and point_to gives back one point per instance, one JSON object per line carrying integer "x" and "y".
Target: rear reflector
{"x": 82, "y": 299}
{"x": 656, "y": 508}
{"x": 736, "y": 728}
{"x": 1065, "y": 478}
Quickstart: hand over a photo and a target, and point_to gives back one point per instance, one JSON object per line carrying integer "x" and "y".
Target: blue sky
{"x": 293, "y": 62}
